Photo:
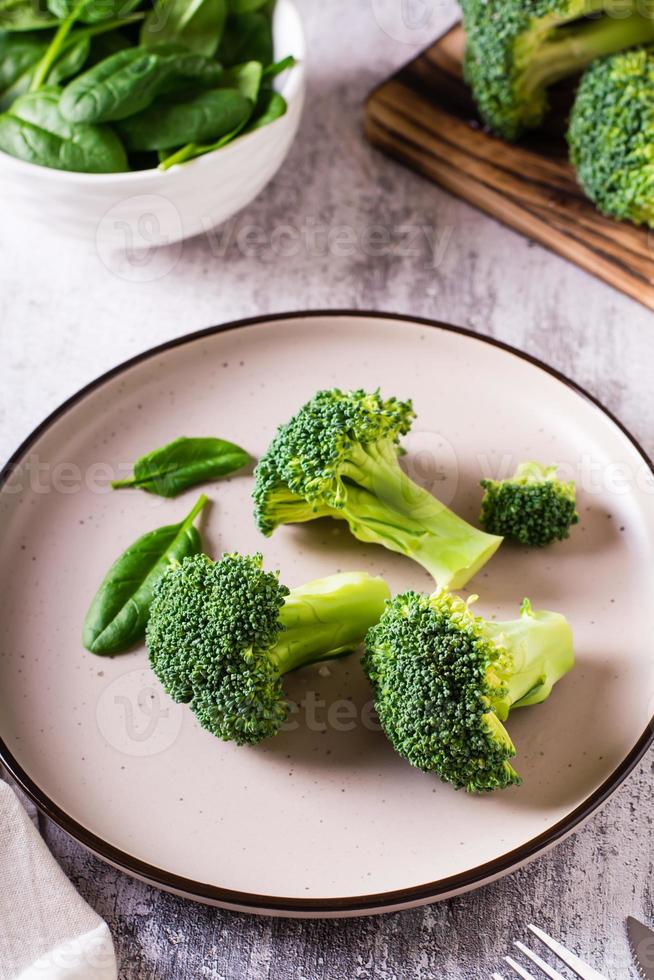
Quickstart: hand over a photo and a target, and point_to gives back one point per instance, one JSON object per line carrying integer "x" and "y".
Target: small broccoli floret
{"x": 611, "y": 135}
{"x": 533, "y": 507}
{"x": 222, "y": 634}
{"x": 445, "y": 680}
{"x": 516, "y": 49}
{"x": 338, "y": 457}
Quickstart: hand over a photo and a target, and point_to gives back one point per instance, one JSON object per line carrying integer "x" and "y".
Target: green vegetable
{"x": 92, "y": 11}
{"x": 119, "y": 612}
{"x": 611, "y": 135}
{"x": 197, "y": 24}
{"x": 445, "y": 680}
{"x": 184, "y": 463}
{"x": 533, "y": 507}
{"x": 170, "y": 121}
{"x": 34, "y": 130}
{"x": 270, "y": 106}
{"x": 516, "y": 49}
{"x": 246, "y": 79}
{"x": 271, "y": 71}
{"x": 247, "y": 37}
{"x": 338, "y": 457}
{"x": 171, "y": 95}
{"x": 72, "y": 60}
{"x": 222, "y": 634}
{"x": 245, "y": 6}
{"x": 19, "y": 54}
{"x": 128, "y": 82}
{"x": 25, "y": 15}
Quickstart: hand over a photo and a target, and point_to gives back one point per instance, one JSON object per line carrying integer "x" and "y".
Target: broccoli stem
{"x": 384, "y": 506}
{"x": 327, "y": 618}
{"x": 540, "y": 647}
{"x": 573, "y": 48}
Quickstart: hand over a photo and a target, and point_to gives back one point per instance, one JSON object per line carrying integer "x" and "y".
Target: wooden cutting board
{"x": 425, "y": 117}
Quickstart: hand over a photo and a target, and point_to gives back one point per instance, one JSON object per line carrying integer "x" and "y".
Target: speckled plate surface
{"x": 324, "y": 819}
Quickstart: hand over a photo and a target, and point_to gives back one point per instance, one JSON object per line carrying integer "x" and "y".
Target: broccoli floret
{"x": 533, "y": 507}
{"x": 444, "y": 681}
{"x": 222, "y": 634}
{"x": 611, "y": 135}
{"x": 338, "y": 457}
{"x": 516, "y": 49}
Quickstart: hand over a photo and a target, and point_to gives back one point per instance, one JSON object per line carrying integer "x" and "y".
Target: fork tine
{"x": 520, "y": 970}
{"x": 548, "y": 970}
{"x": 578, "y": 966}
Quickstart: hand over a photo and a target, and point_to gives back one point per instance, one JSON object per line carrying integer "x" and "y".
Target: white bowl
{"x": 152, "y": 207}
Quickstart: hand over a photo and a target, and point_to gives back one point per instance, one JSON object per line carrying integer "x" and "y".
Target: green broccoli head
{"x": 301, "y": 475}
{"x": 211, "y": 627}
{"x": 222, "y": 634}
{"x": 611, "y": 135}
{"x": 339, "y": 457}
{"x": 533, "y": 507}
{"x": 516, "y": 49}
{"x": 444, "y": 680}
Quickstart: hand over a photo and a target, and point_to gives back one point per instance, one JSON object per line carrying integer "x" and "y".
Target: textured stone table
{"x": 343, "y": 226}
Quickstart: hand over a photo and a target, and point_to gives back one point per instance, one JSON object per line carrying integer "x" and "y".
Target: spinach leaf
{"x": 271, "y": 71}
{"x": 185, "y": 119}
{"x": 183, "y": 463}
{"x": 70, "y": 61}
{"x": 245, "y": 78}
{"x": 197, "y": 24}
{"x": 129, "y": 81}
{"x": 270, "y": 106}
{"x": 25, "y": 15}
{"x": 92, "y": 11}
{"x": 119, "y": 612}
{"x": 247, "y": 37}
{"x": 34, "y": 130}
{"x": 19, "y": 53}
{"x": 246, "y": 6}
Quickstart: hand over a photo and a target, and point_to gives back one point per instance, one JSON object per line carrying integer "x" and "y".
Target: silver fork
{"x": 576, "y": 965}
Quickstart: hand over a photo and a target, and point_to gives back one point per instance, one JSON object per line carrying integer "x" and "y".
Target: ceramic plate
{"x": 325, "y": 818}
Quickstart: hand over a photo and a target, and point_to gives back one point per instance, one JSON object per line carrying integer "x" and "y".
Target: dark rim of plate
{"x": 404, "y": 897}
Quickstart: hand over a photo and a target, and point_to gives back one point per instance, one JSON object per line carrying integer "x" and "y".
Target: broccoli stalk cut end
{"x": 326, "y": 618}
{"x": 539, "y": 645}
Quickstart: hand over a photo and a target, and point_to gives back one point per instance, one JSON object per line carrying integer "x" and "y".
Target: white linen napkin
{"x": 47, "y": 931}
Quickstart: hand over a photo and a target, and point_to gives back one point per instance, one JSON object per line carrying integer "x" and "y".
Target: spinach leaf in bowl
{"x": 129, "y": 81}
{"x": 196, "y": 24}
{"x": 91, "y": 11}
{"x": 25, "y": 15}
{"x": 191, "y": 118}
{"x": 34, "y": 130}
{"x": 247, "y": 37}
